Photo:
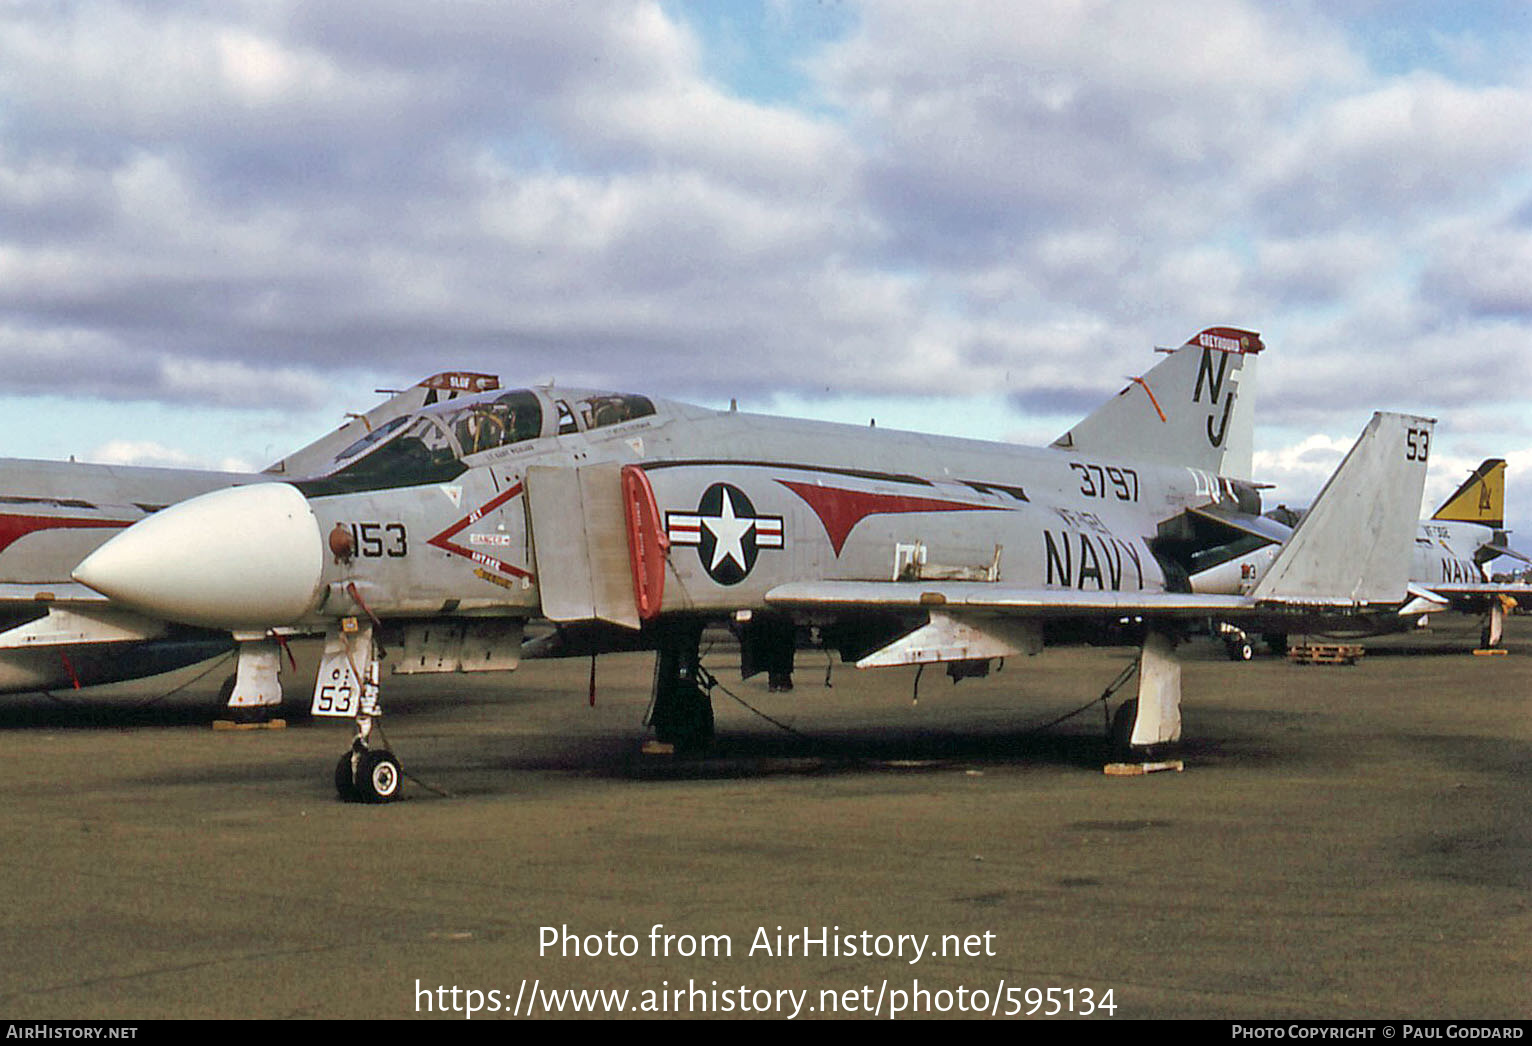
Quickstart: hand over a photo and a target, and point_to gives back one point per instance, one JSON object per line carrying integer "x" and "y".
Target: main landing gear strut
{"x": 1145, "y": 724}
{"x": 681, "y": 709}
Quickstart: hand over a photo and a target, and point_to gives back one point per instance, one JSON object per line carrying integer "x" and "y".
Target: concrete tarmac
{"x": 1346, "y": 842}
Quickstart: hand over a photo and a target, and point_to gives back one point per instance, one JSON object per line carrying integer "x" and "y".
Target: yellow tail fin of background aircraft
{"x": 1481, "y": 498}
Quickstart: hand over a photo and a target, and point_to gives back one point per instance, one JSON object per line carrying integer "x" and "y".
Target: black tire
{"x": 1240, "y": 650}
{"x": 689, "y": 726}
{"x": 345, "y": 780}
{"x": 1121, "y": 737}
{"x": 225, "y": 692}
{"x": 378, "y": 777}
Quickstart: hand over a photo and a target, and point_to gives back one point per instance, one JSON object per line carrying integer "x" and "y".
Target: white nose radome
{"x": 242, "y": 558}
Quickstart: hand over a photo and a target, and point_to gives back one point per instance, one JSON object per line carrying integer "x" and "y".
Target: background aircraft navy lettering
{"x": 1457, "y": 572}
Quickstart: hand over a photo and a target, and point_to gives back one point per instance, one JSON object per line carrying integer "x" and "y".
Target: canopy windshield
{"x": 430, "y": 445}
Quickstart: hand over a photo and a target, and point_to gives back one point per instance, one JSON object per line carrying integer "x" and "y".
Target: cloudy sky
{"x": 222, "y": 224}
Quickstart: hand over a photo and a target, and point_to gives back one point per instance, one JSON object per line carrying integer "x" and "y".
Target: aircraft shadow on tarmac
{"x": 839, "y": 751}
{"x": 475, "y": 738}
{"x": 60, "y": 712}
{"x": 486, "y": 762}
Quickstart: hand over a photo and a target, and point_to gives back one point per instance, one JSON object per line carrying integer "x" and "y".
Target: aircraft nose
{"x": 242, "y": 558}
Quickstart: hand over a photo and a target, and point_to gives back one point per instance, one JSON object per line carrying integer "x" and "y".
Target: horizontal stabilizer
{"x": 1354, "y": 546}
{"x": 1497, "y": 548}
{"x": 1262, "y": 527}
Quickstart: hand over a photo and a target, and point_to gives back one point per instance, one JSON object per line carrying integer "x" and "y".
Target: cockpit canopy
{"x": 433, "y": 444}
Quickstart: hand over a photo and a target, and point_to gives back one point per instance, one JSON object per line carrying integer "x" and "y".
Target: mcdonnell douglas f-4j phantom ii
{"x": 629, "y": 521}
{"x": 1454, "y": 548}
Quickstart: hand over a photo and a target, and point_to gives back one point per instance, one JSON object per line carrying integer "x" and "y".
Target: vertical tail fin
{"x": 1355, "y": 544}
{"x": 1195, "y": 408}
{"x": 1481, "y": 498}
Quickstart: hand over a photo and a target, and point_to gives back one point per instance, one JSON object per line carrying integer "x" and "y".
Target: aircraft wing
{"x": 1494, "y": 598}
{"x": 50, "y": 594}
{"x": 992, "y": 598}
{"x": 56, "y": 632}
{"x": 978, "y": 620}
{"x": 1516, "y": 589}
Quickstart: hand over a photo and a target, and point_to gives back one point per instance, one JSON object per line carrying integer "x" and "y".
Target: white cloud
{"x": 1486, "y": 270}
{"x": 239, "y": 205}
{"x": 1403, "y": 149}
{"x": 150, "y": 453}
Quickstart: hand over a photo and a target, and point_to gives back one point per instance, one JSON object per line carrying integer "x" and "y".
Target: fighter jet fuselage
{"x": 417, "y": 522}
{"x": 449, "y": 517}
